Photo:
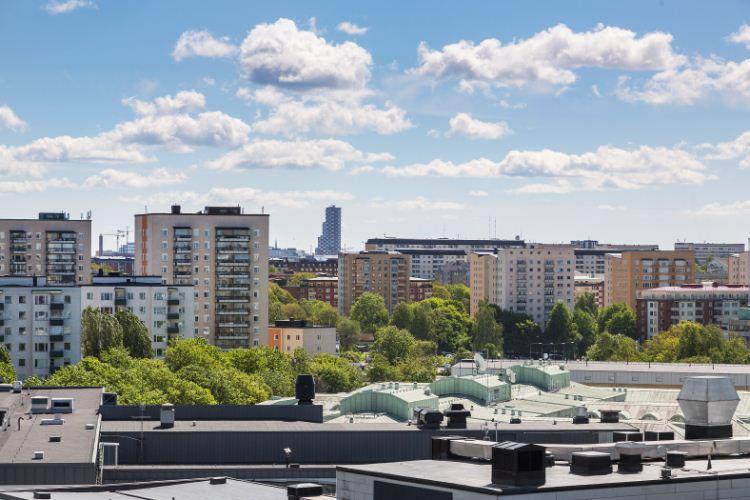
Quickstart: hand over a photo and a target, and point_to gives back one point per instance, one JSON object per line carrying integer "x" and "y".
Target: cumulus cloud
{"x": 721, "y": 209}
{"x": 351, "y": 28}
{"x": 418, "y": 203}
{"x": 548, "y": 58}
{"x": 201, "y": 43}
{"x": 741, "y": 36}
{"x": 10, "y": 120}
{"x": 560, "y": 187}
{"x": 283, "y": 55}
{"x": 33, "y": 186}
{"x": 606, "y": 167}
{"x": 111, "y": 178}
{"x": 54, "y": 7}
{"x": 463, "y": 124}
{"x": 738, "y": 148}
{"x": 244, "y": 196}
{"x": 330, "y": 154}
{"x": 184, "y": 102}
{"x": 478, "y": 193}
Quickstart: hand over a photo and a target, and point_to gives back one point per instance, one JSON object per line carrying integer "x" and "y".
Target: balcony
{"x": 173, "y": 315}
{"x": 56, "y": 306}
{"x": 56, "y": 338}
{"x": 173, "y": 330}
{"x": 57, "y": 353}
{"x": 56, "y": 321}
{"x": 173, "y": 302}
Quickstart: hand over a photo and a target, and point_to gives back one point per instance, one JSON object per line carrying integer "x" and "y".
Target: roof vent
{"x": 428, "y": 418}
{"x": 61, "y": 405}
{"x": 610, "y": 416}
{"x": 39, "y": 404}
{"x": 518, "y": 464}
{"x": 676, "y": 459}
{"x": 303, "y": 490}
{"x": 42, "y": 494}
{"x": 39, "y": 455}
{"x": 620, "y": 436}
{"x": 590, "y": 463}
{"x": 457, "y": 416}
{"x": 90, "y": 427}
{"x": 658, "y": 436}
{"x": 218, "y": 480}
{"x": 55, "y": 439}
{"x": 630, "y": 457}
{"x": 17, "y": 386}
{"x": 304, "y": 389}
{"x": 708, "y": 404}
{"x": 581, "y": 416}
{"x": 109, "y": 398}
{"x": 166, "y": 416}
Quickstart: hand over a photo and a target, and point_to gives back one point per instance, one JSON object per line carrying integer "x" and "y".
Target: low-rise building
{"x": 706, "y": 303}
{"x": 707, "y": 251}
{"x": 419, "y": 289}
{"x": 737, "y": 267}
{"x": 290, "y": 334}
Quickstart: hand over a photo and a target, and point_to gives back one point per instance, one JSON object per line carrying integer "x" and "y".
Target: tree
{"x": 298, "y": 278}
{"x": 334, "y": 374}
{"x": 560, "y": 327}
{"x": 587, "y": 303}
{"x": 319, "y": 312}
{"x": 393, "y": 343}
{"x": 99, "y": 332}
{"x": 457, "y": 293}
{"x": 486, "y": 330}
{"x": 606, "y": 314}
{"x": 623, "y": 322}
{"x": 403, "y": 316}
{"x": 370, "y": 312}
{"x": 135, "y": 337}
{"x": 7, "y": 372}
{"x": 519, "y": 330}
{"x": 278, "y": 294}
{"x": 349, "y": 334}
{"x": 586, "y": 327}
{"x": 610, "y": 347}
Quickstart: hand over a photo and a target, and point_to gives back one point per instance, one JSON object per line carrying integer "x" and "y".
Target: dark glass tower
{"x": 329, "y": 242}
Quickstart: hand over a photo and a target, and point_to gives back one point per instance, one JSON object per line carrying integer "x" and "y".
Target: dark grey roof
{"x": 491, "y": 243}
{"x": 431, "y": 251}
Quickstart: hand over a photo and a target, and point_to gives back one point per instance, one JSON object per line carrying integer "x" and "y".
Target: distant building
{"x": 41, "y": 324}
{"x": 290, "y": 334}
{"x": 453, "y": 273}
{"x": 528, "y": 280}
{"x": 628, "y": 273}
{"x": 327, "y": 266}
{"x": 113, "y": 263}
{"x": 737, "y": 268}
{"x": 706, "y": 303}
{"x": 419, "y": 289}
{"x": 168, "y": 311}
{"x": 590, "y": 284}
{"x": 390, "y": 244}
{"x": 590, "y": 254}
{"x": 323, "y": 288}
{"x": 52, "y": 245}
{"x": 706, "y": 251}
{"x": 427, "y": 262}
{"x": 384, "y": 273}
{"x": 329, "y": 242}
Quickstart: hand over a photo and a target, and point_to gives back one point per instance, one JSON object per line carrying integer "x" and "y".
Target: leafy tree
{"x": 349, "y": 334}
{"x": 298, "y": 278}
{"x": 278, "y": 294}
{"x": 135, "y": 337}
{"x": 587, "y": 328}
{"x": 227, "y": 386}
{"x": 610, "y": 347}
{"x": 274, "y": 367}
{"x": 334, "y": 374}
{"x": 319, "y": 312}
{"x": 403, "y": 316}
{"x": 416, "y": 369}
{"x": 99, "y": 332}
{"x": 421, "y": 323}
{"x": 293, "y": 310}
{"x": 370, "y": 312}
{"x": 457, "y": 293}
{"x": 587, "y": 303}
{"x": 486, "y": 330}
{"x": 560, "y": 326}
{"x": 444, "y": 322}
{"x": 393, "y": 343}
{"x": 623, "y": 322}
{"x": 380, "y": 370}
{"x": 422, "y": 349}
{"x": 7, "y": 372}
{"x": 606, "y": 314}
{"x": 519, "y": 330}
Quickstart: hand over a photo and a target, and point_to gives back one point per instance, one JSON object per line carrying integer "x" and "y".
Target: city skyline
{"x": 606, "y": 117}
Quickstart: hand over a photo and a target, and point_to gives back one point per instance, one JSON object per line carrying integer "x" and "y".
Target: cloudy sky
{"x": 623, "y": 122}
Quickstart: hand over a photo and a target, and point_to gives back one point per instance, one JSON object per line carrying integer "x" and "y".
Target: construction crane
{"x": 119, "y": 233}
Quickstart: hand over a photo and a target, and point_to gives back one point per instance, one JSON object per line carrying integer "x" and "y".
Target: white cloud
{"x": 201, "y": 43}
{"x": 560, "y": 187}
{"x": 717, "y": 209}
{"x": 463, "y": 124}
{"x": 606, "y": 167}
{"x": 351, "y": 28}
{"x": 283, "y": 55}
{"x": 612, "y": 208}
{"x": 35, "y": 186}
{"x": 478, "y": 193}
{"x": 418, "y": 203}
{"x": 330, "y": 154}
{"x": 184, "y": 102}
{"x": 548, "y": 58}
{"x": 242, "y": 196}
{"x": 595, "y": 90}
{"x": 54, "y": 7}
{"x": 10, "y": 120}
{"x": 741, "y": 36}
{"x": 730, "y": 150}
{"x": 111, "y": 178}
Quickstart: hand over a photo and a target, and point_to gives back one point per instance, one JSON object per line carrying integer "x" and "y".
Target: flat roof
{"x": 476, "y": 476}
{"x": 77, "y": 444}
{"x": 442, "y": 241}
{"x": 431, "y": 251}
{"x": 687, "y": 368}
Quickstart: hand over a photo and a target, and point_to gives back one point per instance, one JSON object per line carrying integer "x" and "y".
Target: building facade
{"x": 323, "y": 288}
{"x": 706, "y": 251}
{"x": 290, "y": 334}
{"x": 329, "y": 242}
{"x": 389, "y": 244}
{"x": 590, "y": 284}
{"x": 223, "y": 253}
{"x": 41, "y": 324}
{"x": 707, "y": 303}
{"x": 628, "y": 273}
{"x": 737, "y": 266}
{"x": 419, "y": 289}
{"x": 453, "y": 273}
{"x": 528, "y": 280}
{"x": 168, "y": 311}
{"x": 52, "y": 245}
{"x": 426, "y": 263}
{"x": 590, "y": 254}
{"x": 384, "y": 273}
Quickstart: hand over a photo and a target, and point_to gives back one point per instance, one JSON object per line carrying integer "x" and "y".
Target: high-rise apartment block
{"x": 737, "y": 268}
{"x": 40, "y": 324}
{"x": 223, "y": 253}
{"x": 389, "y": 244}
{"x": 329, "y": 242}
{"x": 384, "y": 273}
{"x": 590, "y": 254}
{"x": 168, "y": 311}
{"x": 706, "y": 251}
{"x": 528, "y": 280}
{"x": 628, "y": 273}
{"x": 52, "y": 245}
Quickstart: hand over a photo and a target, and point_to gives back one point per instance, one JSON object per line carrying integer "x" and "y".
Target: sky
{"x": 625, "y": 122}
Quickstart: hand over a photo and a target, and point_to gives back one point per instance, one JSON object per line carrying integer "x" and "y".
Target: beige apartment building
{"x": 290, "y": 334}
{"x": 628, "y": 273}
{"x": 223, "y": 253}
{"x": 528, "y": 280}
{"x": 52, "y": 245}
{"x": 384, "y": 273}
{"x": 737, "y": 266}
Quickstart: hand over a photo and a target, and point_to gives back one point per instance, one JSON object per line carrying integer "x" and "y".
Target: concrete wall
{"x": 304, "y": 413}
{"x": 49, "y": 473}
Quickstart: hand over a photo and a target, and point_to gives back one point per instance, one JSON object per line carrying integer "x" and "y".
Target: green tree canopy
{"x": 610, "y": 347}
{"x": 486, "y": 330}
{"x": 587, "y": 328}
{"x": 99, "y": 332}
{"x": 560, "y": 326}
{"x": 369, "y": 311}
{"x": 7, "y": 371}
{"x": 135, "y": 337}
{"x": 587, "y": 303}
{"x": 403, "y": 316}
{"x": 393, "y": 343}
{"x": 349, "y": 334}
{"x": 298, "y": 278}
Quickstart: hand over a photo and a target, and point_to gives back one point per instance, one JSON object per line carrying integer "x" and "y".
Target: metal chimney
{"x": 166, "y": 415}
{"x": 708, "y": 404}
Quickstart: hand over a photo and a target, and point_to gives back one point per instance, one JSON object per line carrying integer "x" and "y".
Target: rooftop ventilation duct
{"x": 630, "y": 457}
{"x": 610, "y": 416}
{"x": 708, "y": 404}
{"x": 166, "y": 416}
{"x": 518, "y": 464}
{"x": 304, "y": 389}
{"x": 303, "y": 490}
{"x": 620, "y": 436}
{"x": 590, "y": 463}
{"x": 428, "y": 418}
{"x": 457, "y": 416}
{"x": 581, "y": 416}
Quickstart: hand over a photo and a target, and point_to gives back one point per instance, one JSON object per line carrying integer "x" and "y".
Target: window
{"x": 22, "y": 347}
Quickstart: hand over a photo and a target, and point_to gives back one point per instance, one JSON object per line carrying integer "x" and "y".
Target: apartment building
{"x": 323, "y": 288}
{"x": 706, "y": 303}
{"x": 737, "y": 267}
{"x": 290, "y": 334}
{"x": 168, "y": 311}
{"x": 329, "y": 241}
{"x": 705, "y": 251}
{"x": 52, "y": 245}
{"x": 419, "y": 289}
{"x": 426, "y": 263}
{"x": 529, "y": 280}
{"x": 628, "y": 273}
{"x": 40, "y": 324}
{"x": 384, "y": 273}
{"x": 590, "y": 254}
{"x": 223, "y": 253}
{"x": 453, "y": 273}
{"x": 590, "y": 284}
{"x": 389, "y": 244}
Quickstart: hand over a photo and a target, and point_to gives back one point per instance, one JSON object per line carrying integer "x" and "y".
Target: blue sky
{"x": 621, "y": 122}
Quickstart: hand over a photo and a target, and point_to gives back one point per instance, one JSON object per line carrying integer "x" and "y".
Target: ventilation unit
{"x": 457, "y": 416}
{"x": 518, "y": 464}
{"x": 708, "y": 404}
{"x": 590, "y": 463}
{"x": 39, "y": 404}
